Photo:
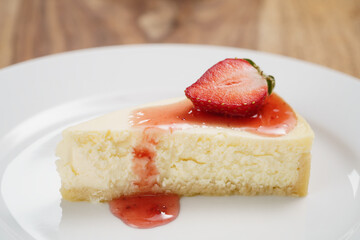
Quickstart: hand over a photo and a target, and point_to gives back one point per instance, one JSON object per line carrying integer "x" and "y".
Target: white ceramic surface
{"x": 39, "y": 98}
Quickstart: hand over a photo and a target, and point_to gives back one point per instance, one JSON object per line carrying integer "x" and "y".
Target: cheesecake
{"x": 230, "y": 135}
{"x": 172, "y": 147}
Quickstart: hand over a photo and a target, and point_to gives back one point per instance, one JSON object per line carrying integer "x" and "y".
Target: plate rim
{"x": 172, "y": 45}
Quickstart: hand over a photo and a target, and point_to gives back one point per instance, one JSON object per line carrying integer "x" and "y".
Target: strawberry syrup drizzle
{"x": 275, "y": 118}
{"x": 146, "y": 209}
{"x": 143, "y": 161}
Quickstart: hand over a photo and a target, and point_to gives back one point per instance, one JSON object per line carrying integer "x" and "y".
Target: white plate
{"x": 40, "y": 98}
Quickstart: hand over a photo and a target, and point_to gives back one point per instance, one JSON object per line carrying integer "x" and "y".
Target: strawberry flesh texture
{"x": 232, "y": 87}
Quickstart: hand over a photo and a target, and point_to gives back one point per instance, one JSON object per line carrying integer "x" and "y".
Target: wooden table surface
{"x": 326, "y": 32}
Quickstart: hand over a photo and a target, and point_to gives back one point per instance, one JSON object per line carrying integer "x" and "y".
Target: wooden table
{"x": 326, "y": 32}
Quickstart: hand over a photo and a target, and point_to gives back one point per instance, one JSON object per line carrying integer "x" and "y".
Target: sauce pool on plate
{"x": 146, "y": 210}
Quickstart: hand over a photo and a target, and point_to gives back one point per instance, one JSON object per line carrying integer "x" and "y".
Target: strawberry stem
{"x": 269, "y": 79}
{"x": 270, "y": 82}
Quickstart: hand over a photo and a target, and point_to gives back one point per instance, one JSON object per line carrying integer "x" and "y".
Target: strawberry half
{"x": 233, "y": 87}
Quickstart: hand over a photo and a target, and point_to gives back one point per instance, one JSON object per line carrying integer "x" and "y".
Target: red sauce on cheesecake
{"x": 143, "y": 161}
{"x": 146, "y": 210}
{"x": 275, "y": 118}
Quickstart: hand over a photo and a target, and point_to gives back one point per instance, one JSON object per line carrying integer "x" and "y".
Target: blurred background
{"x": 325, "y": 32}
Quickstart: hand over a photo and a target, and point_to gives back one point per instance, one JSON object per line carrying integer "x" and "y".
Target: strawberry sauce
{"x": 275, "y": 118}
{"x": 146, "y": 210}
{"x": 143, "y": 161}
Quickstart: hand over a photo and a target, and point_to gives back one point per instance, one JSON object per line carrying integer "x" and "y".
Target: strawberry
{"x": 232, "y": 87}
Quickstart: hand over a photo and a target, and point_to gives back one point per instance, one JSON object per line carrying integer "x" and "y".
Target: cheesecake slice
{"x": 171, "y": 147}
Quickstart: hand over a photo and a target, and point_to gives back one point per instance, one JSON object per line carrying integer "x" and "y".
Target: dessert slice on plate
{"x": 231, "y": 135}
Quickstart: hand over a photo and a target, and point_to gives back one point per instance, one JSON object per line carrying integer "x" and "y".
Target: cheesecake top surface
{"x": 140, "y": 117}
